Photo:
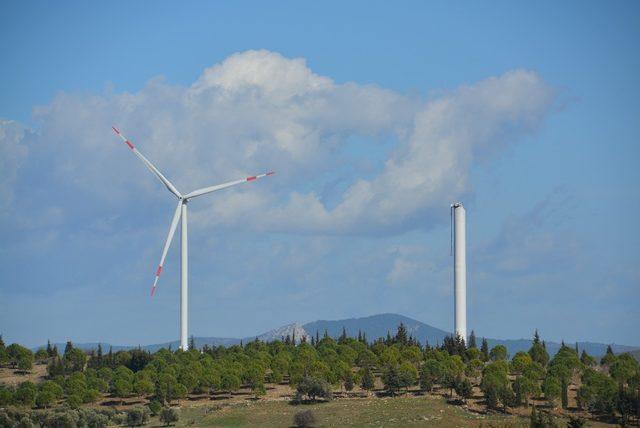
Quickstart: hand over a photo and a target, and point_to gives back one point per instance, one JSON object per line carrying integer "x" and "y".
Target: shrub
{"x": 155, "y": 407}
{"x": 44, "y": 399}
{"x": 313, "y": 388}
{"x": 26, "y": 393}
{"x": 304, "y": 419}
{"x": 137, "y": 416}
{"x": 25, "y": 422}
{"x": 168, "y": 415}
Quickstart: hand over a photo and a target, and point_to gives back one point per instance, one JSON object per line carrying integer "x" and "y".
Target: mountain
{"x": 376, "y": 326}
{"x": 291, "y": 330}
{"x": 373, "y": 327}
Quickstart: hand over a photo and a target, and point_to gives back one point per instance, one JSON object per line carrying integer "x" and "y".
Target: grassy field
{"x": 379, "y": 412}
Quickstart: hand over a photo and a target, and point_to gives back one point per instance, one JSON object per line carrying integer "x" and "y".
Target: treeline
{"x": 316, "y": 368}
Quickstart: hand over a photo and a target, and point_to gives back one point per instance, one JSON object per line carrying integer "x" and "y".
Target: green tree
{"x": 431, "y": 373}
{"x": 44, "y": 399}
{"x": 485, "y": 350}
{"x": 74, "y": 360}
{"x": 25, "y": 394}
{"x": 168, "y": 416}
{"x": 391, "y": 379}
{"x": 464, "y": 389}
{"x": 408, "y": 375}
{"x": 498, "y": 352}
{"x": 472, "y": 340}
{"x": 552, "y": 388}
{"x": 368, "y": 380}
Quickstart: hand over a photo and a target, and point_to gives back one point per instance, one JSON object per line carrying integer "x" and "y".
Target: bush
{"x": 44, "y": 399}
{"x": 168, "y": 415}
{"x": 26, "y": 393}
{"x": 94, "y": 419}
{"x": 304, "y": 419}
{"x": 313, "y": 388}
{"x": 137, "y": 416}
{"x": 25, "y": 422}
{"x": 155, "y": 407}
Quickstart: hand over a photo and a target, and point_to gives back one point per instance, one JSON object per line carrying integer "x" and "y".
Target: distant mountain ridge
{"x": 373, "y": 327}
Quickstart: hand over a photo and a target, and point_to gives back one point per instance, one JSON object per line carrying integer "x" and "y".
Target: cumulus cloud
{"x": 12, "y": 154}
{"x": 258, "y": 110}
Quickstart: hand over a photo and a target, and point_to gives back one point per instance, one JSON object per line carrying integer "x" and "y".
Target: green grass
{"x": 399, "y": 411}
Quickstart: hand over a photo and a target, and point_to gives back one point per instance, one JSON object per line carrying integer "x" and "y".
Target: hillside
{"x": 373, "y": 326}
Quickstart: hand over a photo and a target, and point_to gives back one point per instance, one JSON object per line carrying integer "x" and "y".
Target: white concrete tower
{"x": 460, "y": 269}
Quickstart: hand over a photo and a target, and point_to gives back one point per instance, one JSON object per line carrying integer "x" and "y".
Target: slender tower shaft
{"x": 184, "y": 281}
{"x": 460, "y": 270}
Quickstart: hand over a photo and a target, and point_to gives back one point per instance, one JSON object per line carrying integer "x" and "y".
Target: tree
{"x": 68, "y": 347}
{"x": 44, "y": 399}
{"x": 485, "y": 350}
{"x": 431, "y": 373}
{"x": 20, "y": 357}
{"x": 538, "y": 351}
{"x": 74, "y": 360}
{"x": 552, "y": 388}
{"x": 524, "y": 387}
{"x": 498, "y": 352}
{"x": 25, "y": 394}
{"x": 168, "y": 416}
{"x": 313, "y": 388}
{"x": 368, "y": 380}
{"x": 494, "y": 381}
{"x": 464, "y": 389}
{"x": 587, "y": 359}
{"x": 41, "y": 355}
{"x": 401, "y": 335}
{"x": 192, "y": 342}
{"x": 391, "y": 379}
{"x": 408, "y": 375}
{"x": 472, "y": 340}
{"x": 137, "y": 416}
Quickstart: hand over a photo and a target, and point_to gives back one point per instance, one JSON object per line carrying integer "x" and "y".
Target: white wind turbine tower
{"x": 181, "y": 214}
{"x": 458, "y": 214}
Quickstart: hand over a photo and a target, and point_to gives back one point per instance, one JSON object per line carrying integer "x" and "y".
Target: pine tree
{"x": 2, "y": 345}
{"x": 472, "y": 340}
{"x": 326, "y": 334}
{"x": 343, "y": 336}
{"x": 401, "y": 335}
{"x": 293, "y": 337}
{"x": 359, "y": 335}
{"x": 192, "y": 342}
{"x": 317, "y": 337}
{"x": 49, "y": 348}
{"x": 536, "y": 340}
{"x": 55, "y": 350}
{"x": 577, "y": 351}
{"x": 485, "y": 349}
{"x": 68, "y": 348}
{"x": 389, "y": 341}
{"x": 364, "y": 338}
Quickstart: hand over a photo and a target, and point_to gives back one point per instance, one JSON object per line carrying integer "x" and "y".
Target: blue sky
{"x": 376, "y": 117}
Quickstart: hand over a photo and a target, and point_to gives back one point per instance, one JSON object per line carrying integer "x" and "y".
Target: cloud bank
{"x": 351, "y": 158}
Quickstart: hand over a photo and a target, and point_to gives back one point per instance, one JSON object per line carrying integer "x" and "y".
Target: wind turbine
{"x": 181, "y": 215}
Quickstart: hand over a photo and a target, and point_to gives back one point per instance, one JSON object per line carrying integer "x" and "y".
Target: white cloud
{"x": 12, "y": 155}
{"x": 258, "y": 110}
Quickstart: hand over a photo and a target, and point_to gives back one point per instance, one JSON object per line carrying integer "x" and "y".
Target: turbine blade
{"x": 172, "y": 231}
{"x": 210, "y": 189}
{"x": 148, "y": 164}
